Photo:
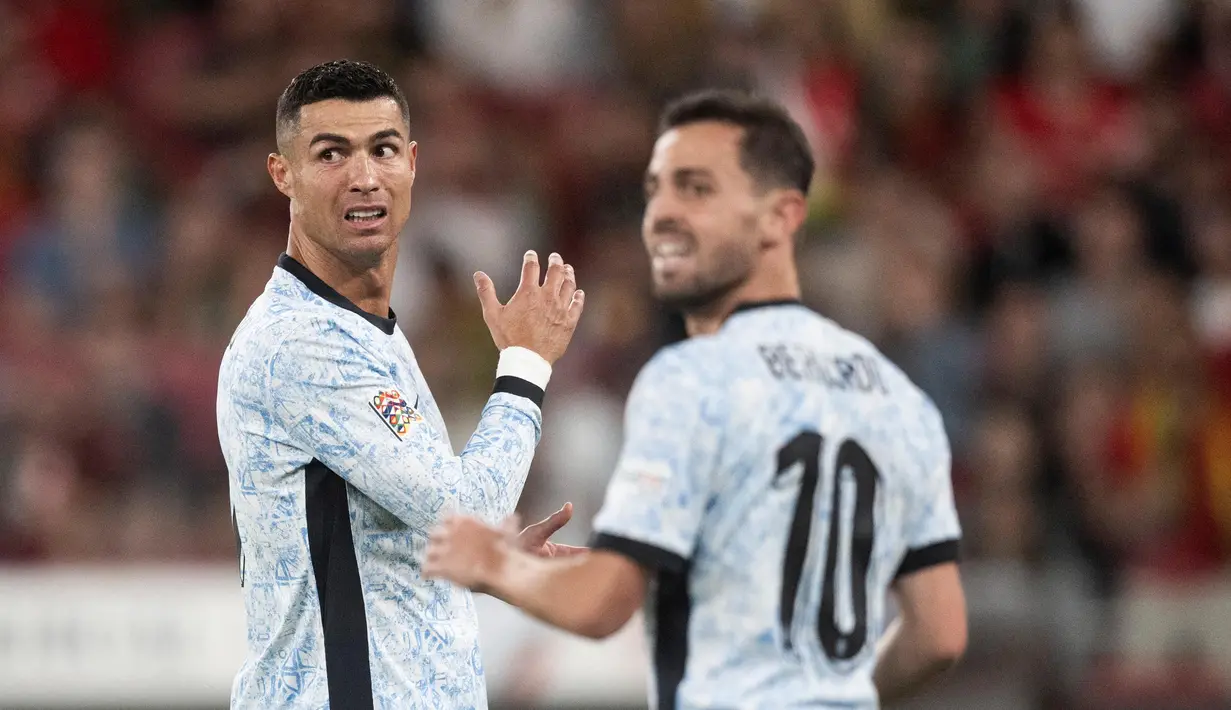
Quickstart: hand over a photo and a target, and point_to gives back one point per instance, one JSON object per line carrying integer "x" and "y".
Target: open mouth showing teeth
{"x": 364, "y": 215}
{"x": 671, "y": 249}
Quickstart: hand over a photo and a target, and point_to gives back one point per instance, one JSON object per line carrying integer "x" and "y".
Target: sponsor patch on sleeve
{"x": 393, "y": 410}
{"x": 643, "y": 475}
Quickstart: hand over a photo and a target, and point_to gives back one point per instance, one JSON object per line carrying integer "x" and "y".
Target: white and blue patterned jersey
{"x": 777, "y": 476}
{"x": 339, "y": 466}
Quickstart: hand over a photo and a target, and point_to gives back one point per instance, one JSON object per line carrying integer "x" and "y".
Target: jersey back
{"x": 778, "y": 475}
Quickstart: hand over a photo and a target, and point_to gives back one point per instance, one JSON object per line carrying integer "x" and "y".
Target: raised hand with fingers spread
{"x": 322, "y": 400}
{"x": 538, "y": 317}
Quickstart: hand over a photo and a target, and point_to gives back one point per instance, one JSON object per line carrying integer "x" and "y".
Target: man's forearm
{"x": 495, "y": 461}
{"x": 497, "y": 457}
{"x": 905, "y": 665}
{"x": 578, "y": 594}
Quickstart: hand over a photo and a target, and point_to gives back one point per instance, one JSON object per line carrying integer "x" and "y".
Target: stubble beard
{"x": 707, "y": 289}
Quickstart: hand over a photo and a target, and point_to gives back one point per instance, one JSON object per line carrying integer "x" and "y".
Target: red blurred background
{"x": 1025, "y": 204}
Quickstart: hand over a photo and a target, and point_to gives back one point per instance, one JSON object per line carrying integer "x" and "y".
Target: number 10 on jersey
{"x": 806, "y": 449}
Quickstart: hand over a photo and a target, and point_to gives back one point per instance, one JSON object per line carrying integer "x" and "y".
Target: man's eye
{"x": 329, "y": 155}
{"x": 386, "y": 151}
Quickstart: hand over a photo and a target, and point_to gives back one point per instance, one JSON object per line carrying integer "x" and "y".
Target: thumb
{"x": 487, "y": 294}
{"x": 541, "y": 531}
{"x": 558, "y": 520}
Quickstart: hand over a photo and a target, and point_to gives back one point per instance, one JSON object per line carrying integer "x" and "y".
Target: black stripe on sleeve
{"x": 672, "y": 609}
{"x": 672, "y": 612}
{"x": 642, "y": 553}
{"x": 521, "y": 388}
{"x": 930, "y": 556}
{"x": 343, "y": 617}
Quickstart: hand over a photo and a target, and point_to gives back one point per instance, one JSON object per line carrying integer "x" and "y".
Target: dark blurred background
{"x": 1025, "y": 204}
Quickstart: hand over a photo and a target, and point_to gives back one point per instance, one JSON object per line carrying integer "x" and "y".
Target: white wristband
{"x": 517, "y": 361}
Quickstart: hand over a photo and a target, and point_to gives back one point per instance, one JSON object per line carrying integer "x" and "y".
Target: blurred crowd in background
{"x": 1027, "y": 205}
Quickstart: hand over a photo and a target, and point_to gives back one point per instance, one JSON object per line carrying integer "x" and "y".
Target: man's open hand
{"x": 538, "y": 317}
{"x": 470, "y": 553}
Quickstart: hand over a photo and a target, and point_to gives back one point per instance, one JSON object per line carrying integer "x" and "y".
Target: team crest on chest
{"x": 393, "y": 410}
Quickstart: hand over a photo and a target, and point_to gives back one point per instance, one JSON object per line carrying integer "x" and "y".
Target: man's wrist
{"x": 492, "y": 574}
{"x": 525, "y": 364}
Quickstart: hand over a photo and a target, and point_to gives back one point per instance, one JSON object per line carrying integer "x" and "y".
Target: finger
{"x": 557, "y": 520}
{"x": 487, "y": 294}
{"x": 436, "y": 569}
{"x": 576, "y": 307}
{"x": 529, "y": 271}
{"x": 568, "y": 550}
{"x": 567, "y": 286}
{"x": 537, "y": 535}
{"x": 555, "y": 274}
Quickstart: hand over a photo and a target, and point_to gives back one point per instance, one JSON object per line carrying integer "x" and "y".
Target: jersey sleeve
{"x": 338, "y": 401}
{"x": 658, "y": 494}
{"x": 933, "y": 532}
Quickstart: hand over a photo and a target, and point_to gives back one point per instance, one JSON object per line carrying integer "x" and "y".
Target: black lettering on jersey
{"x": 773, "y": 357}
{"x": 847, "y": 373}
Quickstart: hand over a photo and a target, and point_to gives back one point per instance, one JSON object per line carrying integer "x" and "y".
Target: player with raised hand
{"x": 778, "y": 476}
{"x": 338, "y": 456}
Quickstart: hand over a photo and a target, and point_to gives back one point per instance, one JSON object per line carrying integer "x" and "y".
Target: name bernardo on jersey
{"x": 793, "y": 361}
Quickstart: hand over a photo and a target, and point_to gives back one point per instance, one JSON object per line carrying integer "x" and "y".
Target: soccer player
{"x": 778, "y": 475}
{"x": 339, "y": 460}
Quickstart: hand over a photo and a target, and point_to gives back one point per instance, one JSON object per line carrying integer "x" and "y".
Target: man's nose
{"x": 363, "y": 178}
{"x": 661, "y": 208}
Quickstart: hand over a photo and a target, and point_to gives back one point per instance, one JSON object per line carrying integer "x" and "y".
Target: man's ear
{"x": 786, "y": 214}
{"x": 413, "y": 152}
{"x": 280, "y": 170}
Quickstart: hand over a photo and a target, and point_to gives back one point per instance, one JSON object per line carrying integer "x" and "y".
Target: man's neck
{"x": 366, "y": 287}
{"x": 706, "y": 321}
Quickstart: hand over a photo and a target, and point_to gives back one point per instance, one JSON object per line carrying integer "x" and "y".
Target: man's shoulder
{"x": 279, "y": 320}
{"x": 844, "y": 341}
{"x": 804, "y": 341}
{"x": 834, "y": 336}
{"x": 708, "y": 362}
{"x": 698, "y": 361}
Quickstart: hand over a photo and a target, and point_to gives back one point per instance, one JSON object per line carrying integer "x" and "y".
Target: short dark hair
{"x": 340, "y": 79}
{"x": 773, "y": 150}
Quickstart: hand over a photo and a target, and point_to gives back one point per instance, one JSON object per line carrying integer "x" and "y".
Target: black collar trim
{"x": 325, "y": 291}
{"x": 753, "y": 305}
